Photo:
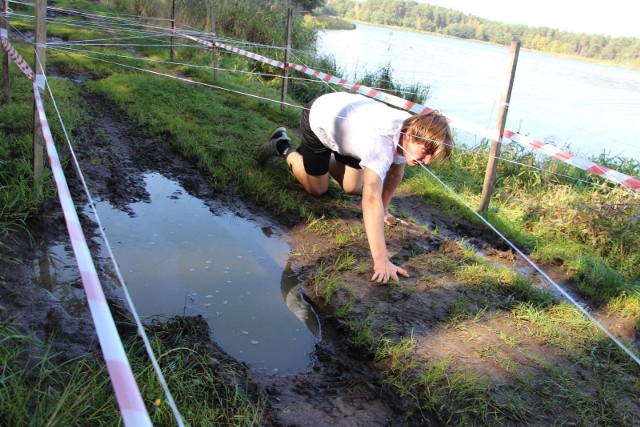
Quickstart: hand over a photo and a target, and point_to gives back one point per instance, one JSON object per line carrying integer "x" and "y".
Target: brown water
{"x": 178, "y": 258}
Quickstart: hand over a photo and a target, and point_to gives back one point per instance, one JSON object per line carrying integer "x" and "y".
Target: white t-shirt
{"x": 357, "y": 126}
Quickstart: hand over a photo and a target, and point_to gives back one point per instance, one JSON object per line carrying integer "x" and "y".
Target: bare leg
{"x": 350, "y": 179}
{"x": 314, "y": 185}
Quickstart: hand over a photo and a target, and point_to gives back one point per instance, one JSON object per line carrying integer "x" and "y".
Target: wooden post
{"x": 40, "y": 67}
{"x": 212, "y": 19}
{"x": 285, "y": 73}
{"x": 5, "y": 56}
{"x": 492, "y": 164}
{"x": 173, "y": 28}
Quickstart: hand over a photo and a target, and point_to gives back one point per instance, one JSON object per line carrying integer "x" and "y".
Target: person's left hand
{"x": 392, "y": 220}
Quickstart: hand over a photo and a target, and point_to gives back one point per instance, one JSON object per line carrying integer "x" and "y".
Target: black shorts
{"x": 315, "y": 155}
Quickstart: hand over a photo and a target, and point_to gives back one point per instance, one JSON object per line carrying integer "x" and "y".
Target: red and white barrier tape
{"x": 134, "y": 413}
{"x": 551, "y": 150}
{"x": 15, "y": 56}
{"x": 628, "y": 181}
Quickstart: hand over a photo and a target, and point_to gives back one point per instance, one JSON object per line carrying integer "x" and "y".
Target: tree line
{"x": 624, "y": 51}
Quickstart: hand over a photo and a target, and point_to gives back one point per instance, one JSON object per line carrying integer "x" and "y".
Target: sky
{"x": 609, "y": 17}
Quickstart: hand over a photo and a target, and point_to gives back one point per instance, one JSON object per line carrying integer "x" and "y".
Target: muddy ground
{"x": 344, "y": 387}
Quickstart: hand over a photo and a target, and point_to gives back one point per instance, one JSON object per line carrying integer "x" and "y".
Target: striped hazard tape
{"x": 134, "y": 412}
{"x": 15, "y": 56}
{"x": 625, "y": 180}
{"x": 551, "y": 150}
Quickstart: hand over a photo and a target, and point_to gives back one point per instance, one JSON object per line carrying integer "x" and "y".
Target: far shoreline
{"x": 431, "y": 33}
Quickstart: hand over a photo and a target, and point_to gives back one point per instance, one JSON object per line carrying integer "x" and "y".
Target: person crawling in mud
{"x": 364, "y": 145}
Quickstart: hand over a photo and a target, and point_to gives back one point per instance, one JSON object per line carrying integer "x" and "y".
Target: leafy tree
{"x": 308, "y": 5}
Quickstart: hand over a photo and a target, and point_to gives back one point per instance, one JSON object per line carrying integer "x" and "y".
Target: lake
{"x": 589, "y": 108}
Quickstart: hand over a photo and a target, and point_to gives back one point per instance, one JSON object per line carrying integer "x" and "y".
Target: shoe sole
{"x": 263, "y": 159}
{"x": 275, "y": 131}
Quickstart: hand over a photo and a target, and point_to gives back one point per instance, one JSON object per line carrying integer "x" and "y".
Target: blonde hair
{"x": 433, "y": 129}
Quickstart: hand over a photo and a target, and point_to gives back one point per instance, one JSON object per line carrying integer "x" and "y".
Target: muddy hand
{"x": 392, "y": 220}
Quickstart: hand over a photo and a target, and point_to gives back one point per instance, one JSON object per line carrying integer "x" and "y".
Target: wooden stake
{"x": 173, "y": 28}
{"x": 285, "y": 73}
{"x": 212, "y": 18}
{"x": 5, "y": 56}
{"x": 40, "y": 67}
{"x": 492, "y": 164}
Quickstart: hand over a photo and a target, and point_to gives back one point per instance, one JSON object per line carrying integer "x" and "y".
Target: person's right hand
{"x": 383, "y": 272}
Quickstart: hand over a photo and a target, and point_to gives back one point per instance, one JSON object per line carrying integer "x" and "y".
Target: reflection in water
{"x": 292, "y": 295}
{"x": 56, "y": 270}
{"x": 178, "y": 258}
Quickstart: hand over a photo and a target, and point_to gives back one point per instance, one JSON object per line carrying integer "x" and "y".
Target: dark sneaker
{"x": 270, "y": 147}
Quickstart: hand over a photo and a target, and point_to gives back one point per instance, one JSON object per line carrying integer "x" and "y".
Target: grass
{"x": 79, "y": 392}
{"x": 20, "y": 197}
{"x": 325, "y": 282}
{"x": 585, "y": 228}
{"x": 436, "y": 387}
{"x": 221, "y": 387}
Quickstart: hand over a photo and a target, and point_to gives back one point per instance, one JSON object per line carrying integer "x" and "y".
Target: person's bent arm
{"x": 373, "y": 211}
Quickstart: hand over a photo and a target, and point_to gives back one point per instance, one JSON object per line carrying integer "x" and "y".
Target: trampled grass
{"x": 39, "y": 390}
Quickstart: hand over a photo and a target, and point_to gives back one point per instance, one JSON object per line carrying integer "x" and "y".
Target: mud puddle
{"x": 178, "y": 258}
